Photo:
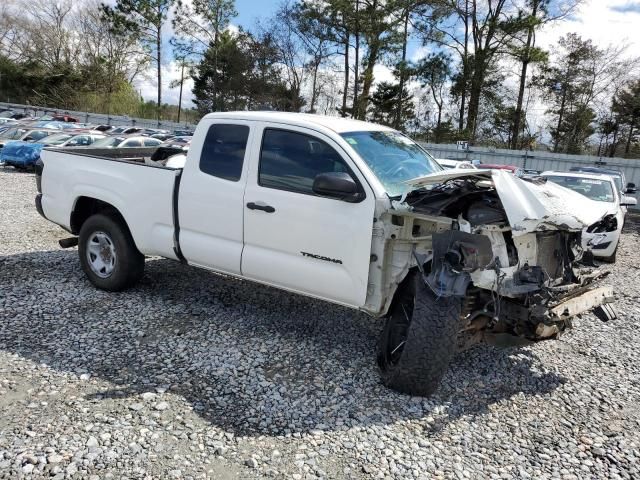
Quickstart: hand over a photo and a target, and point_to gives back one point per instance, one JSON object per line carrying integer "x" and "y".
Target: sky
{"x": 605, "y": 22}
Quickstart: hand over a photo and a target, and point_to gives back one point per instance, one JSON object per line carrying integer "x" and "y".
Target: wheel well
{"x": 86, "y": 207}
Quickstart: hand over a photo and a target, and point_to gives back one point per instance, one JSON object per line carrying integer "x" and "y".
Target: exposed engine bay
{"x": 509, "y": 248}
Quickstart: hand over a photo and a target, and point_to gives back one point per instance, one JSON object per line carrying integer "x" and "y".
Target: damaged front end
{"x": 510, "y": 248}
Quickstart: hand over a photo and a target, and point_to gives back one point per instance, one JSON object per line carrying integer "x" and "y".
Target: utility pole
{"x": 180, "y": 95}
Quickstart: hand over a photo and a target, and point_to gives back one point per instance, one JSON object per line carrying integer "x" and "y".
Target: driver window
{"x": 291, "y": 161}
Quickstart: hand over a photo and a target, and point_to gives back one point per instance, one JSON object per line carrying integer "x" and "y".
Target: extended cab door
{"x": 210, "y": 200}
{"x": 295, "y": 238}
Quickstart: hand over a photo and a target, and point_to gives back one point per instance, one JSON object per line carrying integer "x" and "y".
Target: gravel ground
{"x": 192, "y": 375}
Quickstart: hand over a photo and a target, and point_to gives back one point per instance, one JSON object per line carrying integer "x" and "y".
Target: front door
{"x": 296, "y": 239}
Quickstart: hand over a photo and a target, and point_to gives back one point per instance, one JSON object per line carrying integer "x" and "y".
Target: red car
{"x": 65, "y": 118}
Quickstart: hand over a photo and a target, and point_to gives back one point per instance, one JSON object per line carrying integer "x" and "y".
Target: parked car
{"x": 103, "y": 128}
{"x": 162, "y": 136}
{"x": 65, "y": 118}
{"x": 618, "y": 177}
{"x": 25, "y": 134}
{"x": 25, "y": 154}
{"x": 153, "y": 131}
{"x": 448, "y": 163}
{"x": 344, "y": 211}
{"x": 20, "y": 116}
{"x": 13, "y": 115}
{"x": 126, "y": 142}
{"x": 183, "y": 133}
{"x": 124, "y": 130}
{"x": 7, "y": 121}
{"x": 603, "y": 236}
{"x": 517, "y": 171}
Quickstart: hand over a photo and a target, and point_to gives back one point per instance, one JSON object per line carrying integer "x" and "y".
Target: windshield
{"x": 592, "y": 188}
{"x": 57, "y": 139}
{"x": 618, "y": 181}
{"x": 108, "y": 142}
{"x": 393, "y": 158}
{"x": 13, "y": 133}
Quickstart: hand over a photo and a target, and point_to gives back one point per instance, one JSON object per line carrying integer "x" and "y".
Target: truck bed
{"x": 142, "y": 193}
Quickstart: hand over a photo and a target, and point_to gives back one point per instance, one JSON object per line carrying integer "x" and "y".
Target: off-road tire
{"x": 430, "y": 342}
{"x": 129, "y": 264}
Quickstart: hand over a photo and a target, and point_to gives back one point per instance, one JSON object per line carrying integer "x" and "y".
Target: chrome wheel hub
{"x": 101, "y": 254}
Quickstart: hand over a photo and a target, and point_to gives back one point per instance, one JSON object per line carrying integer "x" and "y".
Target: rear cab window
{"x": 223, "y": 151}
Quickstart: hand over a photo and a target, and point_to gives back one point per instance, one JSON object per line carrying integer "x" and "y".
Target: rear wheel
{"x": 419, "y": 338}
{"x": 108, "y": 254}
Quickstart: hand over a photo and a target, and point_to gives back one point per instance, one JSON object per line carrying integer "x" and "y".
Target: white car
{"x": 449, "y": 164}
{"x": 344, "y": 211}
{"x": 126, "y": 142}
{"x": 601, "y": 237}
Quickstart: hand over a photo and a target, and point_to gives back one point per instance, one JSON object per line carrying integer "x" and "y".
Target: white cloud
{"x": 598, "y": 20}
{"x": 382, "y": 73}
{"x": 170, "y": 72}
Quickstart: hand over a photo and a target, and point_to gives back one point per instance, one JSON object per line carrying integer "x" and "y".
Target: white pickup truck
{"x": 348, "y": 212}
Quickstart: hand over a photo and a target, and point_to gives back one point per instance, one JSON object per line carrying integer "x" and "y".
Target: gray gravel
{"x": 192, "y": 375}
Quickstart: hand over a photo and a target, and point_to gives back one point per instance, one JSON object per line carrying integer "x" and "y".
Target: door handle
{"x": 264, "y": 208}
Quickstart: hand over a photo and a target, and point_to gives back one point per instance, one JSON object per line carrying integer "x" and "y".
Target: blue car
{"x": 21, "y": 154}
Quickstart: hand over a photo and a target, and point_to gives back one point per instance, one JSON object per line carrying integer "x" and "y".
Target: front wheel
{"x": 419, "y": 338}
{"x": 108, "y": 254}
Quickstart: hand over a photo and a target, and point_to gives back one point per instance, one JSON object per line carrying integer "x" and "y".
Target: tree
{"x": 523, "y": 48}
{"x": 377, "y": 24}
{"x": 404, "y": 9}
{"x": 489, "y": 25}
{"x": 246, "y": 72}
{"x": 626, "y": 106}
{"x": 317, "y": 37}
{"x": 434, "y": 72}
{"x": 384, "y": 102}
{"x": 221, "y": 76}
{"x": 109, "y": 58}
{"x": 573, "y": 84}
{"x": 199, "y": 23}
{"x": 289, "y": 52}
{"x": 144, "y": 20}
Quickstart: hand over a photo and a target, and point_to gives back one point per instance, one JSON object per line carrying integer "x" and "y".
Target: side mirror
{"x": 338, "y": 185}
{"x": 631, "y": 188}
{"x": 28, "y": 138}
{"x": 627, "y": 201}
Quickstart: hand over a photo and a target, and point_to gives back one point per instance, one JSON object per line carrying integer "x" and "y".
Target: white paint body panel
{"x": 211, "y": 209}
{"x": 142, "y": 194}
{"x": 274, "y": 242}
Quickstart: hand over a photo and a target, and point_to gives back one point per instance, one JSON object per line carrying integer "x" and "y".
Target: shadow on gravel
{"x": 248, "y": 358}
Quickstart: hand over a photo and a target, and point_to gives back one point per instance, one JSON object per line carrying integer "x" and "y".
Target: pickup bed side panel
{"x": 142, "y": 194}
